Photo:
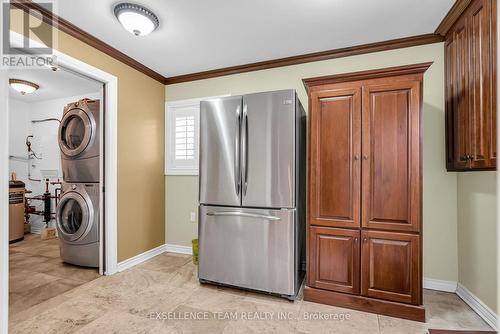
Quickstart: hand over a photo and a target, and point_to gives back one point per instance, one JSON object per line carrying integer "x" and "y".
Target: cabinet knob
{"x": 365, "y": 240}
{"x": 355, "y": 240}
{"x": 356, "y": 157}
{"x": 365, "y": 157}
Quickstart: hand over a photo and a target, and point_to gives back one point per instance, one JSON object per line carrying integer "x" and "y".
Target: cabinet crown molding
{"x": 366, "y": 75}
{"x": 452, "y": 16}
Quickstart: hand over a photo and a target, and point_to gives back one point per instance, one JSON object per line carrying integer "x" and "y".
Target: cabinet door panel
{"x": 492, "y": 126}
{"x": 480, "y": 82}
{"x": 390, "y": 266}
{"x": 335, "y": 165}
{"x": 461, "y": 98}
{"x": 391, "y": 170}
{"x": 457, "y": 97}
{"x": 334, "y": 259}
{"x": 471, "y": 89}
{"x": 450, "y": 75}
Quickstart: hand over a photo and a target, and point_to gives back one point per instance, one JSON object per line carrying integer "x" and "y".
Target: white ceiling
{"x": 200, "y": 35}
{"x": 53, "y": 85}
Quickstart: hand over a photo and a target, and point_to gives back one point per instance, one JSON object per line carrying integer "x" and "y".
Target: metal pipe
{"x": 31, "y": 154}
{"x": 47, "y": 203}
{"x": 57, "y": 191}
{"x": 47, "y": 208}
{"x": 17, "y": 157}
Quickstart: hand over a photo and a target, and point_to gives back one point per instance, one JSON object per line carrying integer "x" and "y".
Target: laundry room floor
{"x": 37, "y": 274}
{"x": 163, "y": 295}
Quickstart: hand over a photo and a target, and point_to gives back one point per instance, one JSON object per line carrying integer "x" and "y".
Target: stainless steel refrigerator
{"x": 252, "y": 192}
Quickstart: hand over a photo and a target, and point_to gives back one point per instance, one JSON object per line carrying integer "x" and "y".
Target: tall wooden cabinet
{"x": 470, "y": 61}
{"x": 365, "y": 191}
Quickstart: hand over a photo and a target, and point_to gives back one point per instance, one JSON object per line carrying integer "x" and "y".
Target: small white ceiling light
{"x": 22, "y": 86}
{"x": 136, "y": 19}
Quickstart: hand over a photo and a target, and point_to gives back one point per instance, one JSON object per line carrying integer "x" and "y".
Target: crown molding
{"x": 311, "y": 57}
{"x": 72, "y": 30}
{"x": 451, "y": 17}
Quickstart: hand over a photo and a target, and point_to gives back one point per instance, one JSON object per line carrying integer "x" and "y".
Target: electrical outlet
{"x": 193, "y": 217}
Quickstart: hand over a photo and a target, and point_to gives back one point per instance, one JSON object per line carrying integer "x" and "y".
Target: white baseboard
{"x": 440, "y": 285}
{"x": 468, "y": 297}
{"x": 133, "y": 261}
{"x": 478, "y": 306}
{"x": 178, "y": 249}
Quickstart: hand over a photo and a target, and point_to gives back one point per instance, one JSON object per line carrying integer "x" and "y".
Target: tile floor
{"x": 38, "y": 274}
{"x": 163, "y": 295}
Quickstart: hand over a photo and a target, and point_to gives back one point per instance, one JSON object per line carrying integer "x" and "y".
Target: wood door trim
{"x": 419, "y": 68}
{"x": 452, "y": 331}
{"x": 310, "y": 57}
{"x": 365, "y": 304}
{"x": 72, "y": 30}
{"x": 452, "y": 16}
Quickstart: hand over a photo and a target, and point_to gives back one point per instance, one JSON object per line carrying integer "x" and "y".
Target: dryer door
{"x": 76, "y": 132}
{"x": 74, "y": 216}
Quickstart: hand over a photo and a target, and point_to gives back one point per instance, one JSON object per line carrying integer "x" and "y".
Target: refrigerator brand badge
{"x": 287, "y": 102}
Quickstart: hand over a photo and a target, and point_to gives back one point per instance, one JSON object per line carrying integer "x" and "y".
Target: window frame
{"x": 191, "y": 107}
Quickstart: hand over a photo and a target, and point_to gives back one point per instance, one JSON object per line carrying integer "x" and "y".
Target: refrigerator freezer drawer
{"x": 249, "y": 248}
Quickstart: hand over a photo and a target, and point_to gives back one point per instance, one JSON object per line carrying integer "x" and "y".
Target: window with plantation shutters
{"x": 184, "y": 138}
{"x": 182, "y": 125}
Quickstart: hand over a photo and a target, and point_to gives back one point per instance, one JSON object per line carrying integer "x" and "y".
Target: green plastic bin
{"x": 195, "y": 250}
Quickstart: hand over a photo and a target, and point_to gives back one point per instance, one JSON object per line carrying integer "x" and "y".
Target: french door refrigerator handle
{"x": 242, "y": 214}
{"x": 237, "y": 173}
{"x": 244, "y": 150}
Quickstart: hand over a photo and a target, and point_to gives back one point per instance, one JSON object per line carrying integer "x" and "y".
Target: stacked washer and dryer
{"x": 78, "y": 208}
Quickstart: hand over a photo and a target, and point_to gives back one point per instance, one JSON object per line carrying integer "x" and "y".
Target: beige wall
{"x": 440, "y": 187}
{"x": 477, "y": 235}
{"x": 141, "y": 188}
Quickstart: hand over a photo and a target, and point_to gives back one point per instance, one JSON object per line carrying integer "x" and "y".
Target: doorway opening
{"x": 108, "y": 199}
{"x": 55, "y": 165}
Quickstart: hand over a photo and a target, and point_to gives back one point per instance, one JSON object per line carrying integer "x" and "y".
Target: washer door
{"x": 74, "y": 216}
{"x": 76, "y": 132}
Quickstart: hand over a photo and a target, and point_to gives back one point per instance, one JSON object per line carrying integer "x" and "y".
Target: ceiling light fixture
{"x": 22, "y": 86}
{"x": 136, "y": 19}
